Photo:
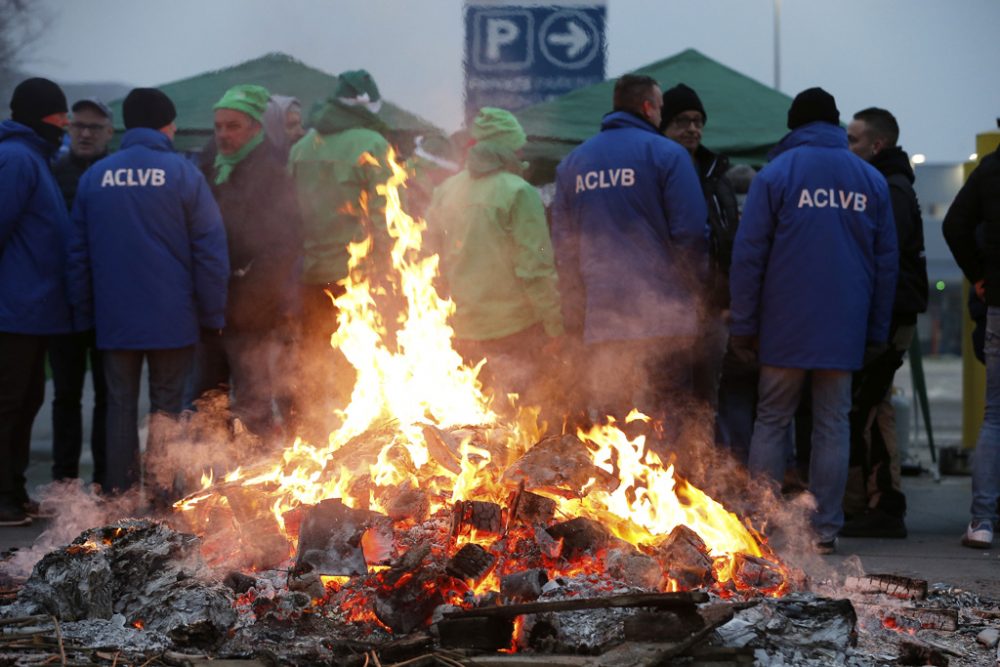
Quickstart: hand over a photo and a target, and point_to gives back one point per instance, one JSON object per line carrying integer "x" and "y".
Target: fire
{"x": 440, "y": 428}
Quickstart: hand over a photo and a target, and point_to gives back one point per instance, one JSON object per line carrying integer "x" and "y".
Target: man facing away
{"x": 34, "y": 305}
{"x": 813, "y": 278}
{"x": 148, "y": 267}
{"x": 340, "y": 162}
{"x": 263, "y": 232}
{"x": 90, "y": 133}
{"x": 976, "y": 210}
{"x": 874, "y": 501}
{"x": 628, "y": 226}
{"x": 496, "y": 256}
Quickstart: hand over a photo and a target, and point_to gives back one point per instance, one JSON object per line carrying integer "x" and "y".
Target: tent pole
{"x": 777, "y": 44}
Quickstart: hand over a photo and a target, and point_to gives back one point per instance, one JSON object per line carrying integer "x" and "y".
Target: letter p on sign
{"x": 499, "y": 32}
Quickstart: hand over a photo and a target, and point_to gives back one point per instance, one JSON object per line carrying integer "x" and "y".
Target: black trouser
{"x": 22, "y": 391}
{"x": 68, "y": 356}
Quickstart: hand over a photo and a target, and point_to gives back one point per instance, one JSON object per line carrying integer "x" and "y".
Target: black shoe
{"x": 875, "y": 523}
{"x": 13, "y": 516}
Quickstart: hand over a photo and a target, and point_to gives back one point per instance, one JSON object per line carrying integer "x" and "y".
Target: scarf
{"x": 224, "y": 164}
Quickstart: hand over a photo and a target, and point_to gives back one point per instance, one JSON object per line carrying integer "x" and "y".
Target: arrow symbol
{"x": 576, "y": 39}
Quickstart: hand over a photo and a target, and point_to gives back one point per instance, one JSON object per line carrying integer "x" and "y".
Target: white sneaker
{"x": 979, "y": 534}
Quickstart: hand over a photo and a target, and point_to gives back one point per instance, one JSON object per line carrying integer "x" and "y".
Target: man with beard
{"x": 258, "y": 206}
{"x": 628, "y": 226}
{"x": 90, "y": 132}
{"x": 34, "y": 225}
{"x": 874, "y": 501}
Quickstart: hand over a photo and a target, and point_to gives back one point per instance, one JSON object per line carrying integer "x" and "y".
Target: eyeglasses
{"x": 93, "y": 128}
{"x": 685, "y": 121}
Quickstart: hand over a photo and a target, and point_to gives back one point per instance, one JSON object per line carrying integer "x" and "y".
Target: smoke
{"x": 75, "y": 508}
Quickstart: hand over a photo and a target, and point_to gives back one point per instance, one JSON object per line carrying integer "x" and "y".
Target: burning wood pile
{"x": 432, "y": 529}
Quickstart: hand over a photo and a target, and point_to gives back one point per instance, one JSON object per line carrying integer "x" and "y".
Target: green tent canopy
{"x": 745, "y": 117}
{"x": 281, "y": 75}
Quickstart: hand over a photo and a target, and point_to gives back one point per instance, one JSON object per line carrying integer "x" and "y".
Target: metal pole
{"x": 777, "y": 44}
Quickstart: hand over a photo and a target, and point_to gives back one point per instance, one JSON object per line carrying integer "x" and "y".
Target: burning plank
{"x": 330, "y": 539}
{"x": 685, "y": 600}
{"x": 523, "y": 586}
{"x": 530, "y": 508}
{"x": 559, "y": 464}
{"x": 483, "y": 517}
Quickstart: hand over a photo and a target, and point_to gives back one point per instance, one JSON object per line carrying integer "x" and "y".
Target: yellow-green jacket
{"x": 496, "y": 254}
{"x": 331, "y": 173}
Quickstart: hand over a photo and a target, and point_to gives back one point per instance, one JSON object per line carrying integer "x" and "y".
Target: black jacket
{"x": 264, "y": 237}
{"x": 723, "y": 219}
{"x": 68, "y": 169}
{"x": 911, "y": 289}
{"x": 978, "y": 202}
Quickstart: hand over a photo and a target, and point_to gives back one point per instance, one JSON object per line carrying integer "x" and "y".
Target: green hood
{"x": 486, "y": 158}
{"x": 333, "y": 117}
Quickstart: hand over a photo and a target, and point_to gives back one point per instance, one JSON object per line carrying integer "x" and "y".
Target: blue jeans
{"x": 779, "y": 391}
{"x": 168, "y": 372}
{"x": 986, "y": 458}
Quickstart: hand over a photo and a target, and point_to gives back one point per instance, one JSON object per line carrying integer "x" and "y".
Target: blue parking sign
{"x": 518, "y": 55}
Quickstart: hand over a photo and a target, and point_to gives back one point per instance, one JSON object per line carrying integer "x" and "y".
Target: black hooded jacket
{"x": 911, "y": 289}
{"x": 723, "y": 218}
{"x": 978, "y": 203}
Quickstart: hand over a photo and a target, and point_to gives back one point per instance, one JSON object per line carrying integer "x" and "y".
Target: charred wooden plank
{"x": 922, "y": 618}
{"x": 661, "y": 626}
{"x": 580, "y": 536}
{"x": 472, "y": 563}
{"x": 683, "y": 600}
{"x": 893, "y": 585}
{"x": 757, "y": 573}
{"x": 443, "y": 449}
{"x": 487, "y": 633}
{"x": 523, "y": 586}
{"x": 330, "y": 539}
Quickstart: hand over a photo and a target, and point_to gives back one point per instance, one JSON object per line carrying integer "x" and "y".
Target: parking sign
{"x": 522, "y": 53}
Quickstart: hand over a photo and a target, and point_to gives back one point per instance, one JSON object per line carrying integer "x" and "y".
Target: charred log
{"x": 893, "y": 585}
{"x": 523, "y": 586}
{"x": 580, "y": 536}
{"x": 684, "y": 558}
{"x": 330, "y": 539}
{"x": 672, "y": 601}
{"x": 757, "y": 573}
{"x": 472, "y": 563}
{"x": 530, "y": 508}
{"x": 483, "y": 517}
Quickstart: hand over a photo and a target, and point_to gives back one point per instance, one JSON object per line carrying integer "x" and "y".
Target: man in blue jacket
{"x": 630, "y": 237}
{"x": 148, "y": 267}
{"x": 33, "y": 299}
{"x": 812, "y": 281}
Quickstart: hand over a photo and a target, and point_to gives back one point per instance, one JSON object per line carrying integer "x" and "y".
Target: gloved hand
{"x": 744, "y": 349}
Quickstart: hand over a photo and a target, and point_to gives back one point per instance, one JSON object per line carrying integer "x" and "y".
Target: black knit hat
{"x": 147, "y": 107}
{"x": 679, "y": 99}
{"x": 811, "y": 105}
{"x": 36, "y": 98}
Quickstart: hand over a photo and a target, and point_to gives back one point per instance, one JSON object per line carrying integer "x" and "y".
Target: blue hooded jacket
{"x": 34, "y": 226}
{"x": 629, "y": 227}
{"x": 815, "y": 259}
{"x": 147, "y": 257}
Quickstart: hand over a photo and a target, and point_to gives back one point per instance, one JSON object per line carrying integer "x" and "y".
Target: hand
{"x": 981, "y": 289}
{"x": 744, "y": 349}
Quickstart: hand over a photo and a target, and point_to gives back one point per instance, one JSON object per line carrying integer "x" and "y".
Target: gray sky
{"x": 932, "y": 63}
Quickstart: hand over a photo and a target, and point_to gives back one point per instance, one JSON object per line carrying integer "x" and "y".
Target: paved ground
{"x": 938, "y": 510}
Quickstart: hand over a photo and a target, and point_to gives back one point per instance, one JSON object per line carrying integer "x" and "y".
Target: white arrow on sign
{"x": 576, "y": 39}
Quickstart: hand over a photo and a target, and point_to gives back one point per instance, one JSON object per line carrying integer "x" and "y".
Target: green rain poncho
{"x": 496, "y": 253}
